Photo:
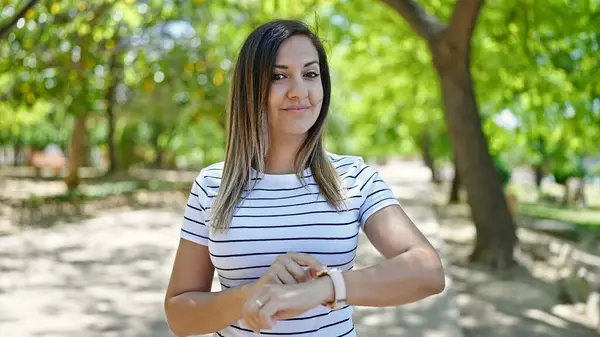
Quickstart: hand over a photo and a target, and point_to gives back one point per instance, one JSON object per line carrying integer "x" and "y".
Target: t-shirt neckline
{"x": 279, "y": 178}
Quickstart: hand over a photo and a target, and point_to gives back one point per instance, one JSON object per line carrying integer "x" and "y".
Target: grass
{"x": 578, "y": 216}
{"x": 103, "y": 190}
{"x": 583, "y": 217}
{"x": 588, "y": 217}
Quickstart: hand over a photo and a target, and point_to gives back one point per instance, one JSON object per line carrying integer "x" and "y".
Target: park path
{"x": 106, "y": 276}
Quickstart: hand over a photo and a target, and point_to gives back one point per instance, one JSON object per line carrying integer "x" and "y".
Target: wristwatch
{"x": 339, "y": 287}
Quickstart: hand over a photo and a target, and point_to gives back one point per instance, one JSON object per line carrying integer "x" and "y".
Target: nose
{"x": 298, "y": 89}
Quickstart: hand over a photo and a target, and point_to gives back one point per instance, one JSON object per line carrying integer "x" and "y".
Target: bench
{"x": 39, "y": 160}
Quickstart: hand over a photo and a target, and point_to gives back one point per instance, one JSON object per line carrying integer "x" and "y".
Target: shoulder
{"x": 355, "y": 172}
{"x": 347, "y": 164}
{"x": 210, "y": 176}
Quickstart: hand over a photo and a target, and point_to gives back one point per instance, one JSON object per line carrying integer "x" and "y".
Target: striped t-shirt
{"x": 284, "y": 215}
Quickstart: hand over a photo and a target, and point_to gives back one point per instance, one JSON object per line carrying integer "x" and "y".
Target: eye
{"x": 311, "y": 74}
{"x": 277, "y": 77}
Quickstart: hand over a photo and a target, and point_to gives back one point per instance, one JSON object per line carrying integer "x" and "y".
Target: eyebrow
{"x": 305, "y": 65}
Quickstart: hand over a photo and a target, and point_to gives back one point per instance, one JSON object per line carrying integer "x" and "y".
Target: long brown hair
{"x": 247, "y": 140}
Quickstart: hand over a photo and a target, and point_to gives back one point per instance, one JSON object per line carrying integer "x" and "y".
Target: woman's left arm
{"x": 411, "y": 271}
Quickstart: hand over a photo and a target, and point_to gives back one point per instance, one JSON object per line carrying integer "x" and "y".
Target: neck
{"x": 282, "y": 153}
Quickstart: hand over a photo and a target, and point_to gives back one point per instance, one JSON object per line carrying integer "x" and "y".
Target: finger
{"x": 286, "y": 314}
{"x": 296, "y": 270}
{"x": 267, "y": 314}
{"x": 264, "y": 322}
{"x": 307, "y": 260}
{"x": 259, "y": 322}
{"x": 313, "y": 273}
{"x": 250, "y": 321}
{"x": 249, "y": 316}
{"x": 254, "y": 322}
{"x": 251, "y": 313}
{"x": 255, "y": 303}
{"x": 272, "y": 277}
{"x": 284, "y": 275}
{"x": 275, "y": 279}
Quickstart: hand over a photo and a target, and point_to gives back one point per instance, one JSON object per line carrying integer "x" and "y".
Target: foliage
{"x": 548, "y": 83}
{"x": 534, "y": 77}
{"x": 572, "y": 168}
{"x": 503, "y": 170}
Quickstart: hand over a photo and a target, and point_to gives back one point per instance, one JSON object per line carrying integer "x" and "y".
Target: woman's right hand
{"x": 290, "y": 269}
{"x": 286, "y": 269}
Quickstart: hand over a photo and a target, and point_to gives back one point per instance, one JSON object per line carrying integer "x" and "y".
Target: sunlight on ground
{"x": 524, "y": 305}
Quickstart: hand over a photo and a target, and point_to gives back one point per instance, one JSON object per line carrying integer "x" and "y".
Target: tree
{"x": 21, "y": 13}
{"x": 450, "y": 47}
{"x": 454, "y": 196}
{"x": 56, "y": 54}
{"x": 549, "y": 85}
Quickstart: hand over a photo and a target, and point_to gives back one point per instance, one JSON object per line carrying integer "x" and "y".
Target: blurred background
{"x": 109, "y": 109}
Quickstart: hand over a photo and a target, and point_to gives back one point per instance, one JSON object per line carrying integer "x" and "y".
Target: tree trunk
{"x": 450, "y": 47}
{"x": 567, "y": 194}
{"x": 86, "y": 154}
{"x": 538, "y": 175}
{"x": 428, "y": 158}
{"x": 17, "y": 147}
{"x": 158, "y": 160}
{"x": 455, "y": 190}
{"x": 538, "y": 169}
{"x": 76, "y": 151}
{"x": 115, "y": 69}
{"x": 579, "y": 194}
{"x": 158, "y": 153}
{"x": 496, "y": 231}
{"x": 112, "y": 156}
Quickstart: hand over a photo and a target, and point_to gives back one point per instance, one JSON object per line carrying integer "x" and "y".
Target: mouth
{"x": 297, "y": 108}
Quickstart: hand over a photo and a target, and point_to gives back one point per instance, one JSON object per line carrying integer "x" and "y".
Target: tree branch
{"x": 462, "y": 23}
{"x": 4, "y": 29}
{"x": 425, "y": 25}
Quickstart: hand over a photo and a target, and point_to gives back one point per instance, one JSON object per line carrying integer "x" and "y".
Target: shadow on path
{"x": 106, "y": 277}
{"x": 100, "y": 277}
{"x": 523, "y": 304}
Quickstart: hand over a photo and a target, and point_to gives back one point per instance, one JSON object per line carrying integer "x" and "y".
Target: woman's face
{"x": 296, "y": 92}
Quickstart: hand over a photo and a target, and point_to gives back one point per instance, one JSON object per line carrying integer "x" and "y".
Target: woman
{"x": 279, "y": 218}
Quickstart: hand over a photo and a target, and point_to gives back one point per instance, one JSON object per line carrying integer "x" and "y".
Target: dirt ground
{"x": 523, "y": 303}
{"x": 65, "y": 286}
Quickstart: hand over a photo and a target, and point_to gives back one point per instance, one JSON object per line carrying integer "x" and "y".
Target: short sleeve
{"x": 375, "y": 193}
{"x": 194, "y": 227}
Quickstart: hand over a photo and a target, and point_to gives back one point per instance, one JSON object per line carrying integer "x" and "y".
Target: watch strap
{"x": 339, "y": 287}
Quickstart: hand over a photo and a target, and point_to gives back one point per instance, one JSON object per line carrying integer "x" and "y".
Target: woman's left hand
{"x": 275, "y": 302}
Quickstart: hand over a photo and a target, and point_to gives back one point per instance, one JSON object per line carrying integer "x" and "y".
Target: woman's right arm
{"x": 192, "y": 309}
{"x": 190, "y": 306}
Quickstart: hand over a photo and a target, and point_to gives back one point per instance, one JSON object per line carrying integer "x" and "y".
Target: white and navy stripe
{"x": 281, "y": 215}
